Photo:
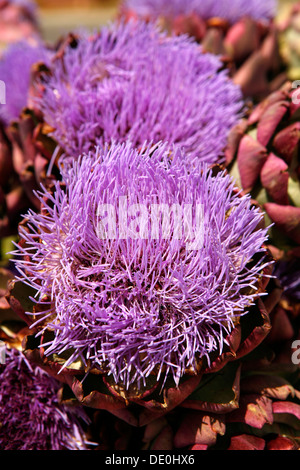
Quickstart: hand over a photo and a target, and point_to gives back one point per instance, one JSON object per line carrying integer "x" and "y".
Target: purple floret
{"x": 31, "y": 416}
{"x": 132, "y": 82}
{"x": 15, "y": 71}
{"x": 231, "y": 10}
{"x": 141, "y": 302}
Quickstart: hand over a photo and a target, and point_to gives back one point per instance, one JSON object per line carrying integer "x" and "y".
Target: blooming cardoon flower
{"x": 31, "y": 416}
{"x": 231, "y": 10}
{"x": 15, "y": 71}
{"x": 241, "y": 32}
{"x": 131, "y": 82}
{"x": 132, "y": 296}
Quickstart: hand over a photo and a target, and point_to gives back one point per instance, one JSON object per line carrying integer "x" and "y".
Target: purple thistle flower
{"x": 140, "y": 300}
{"x": 132, "y": 82}
{"x": 15, "y": 68}
{"x": 231, "y": 10}
{"x": 30, "y": 415}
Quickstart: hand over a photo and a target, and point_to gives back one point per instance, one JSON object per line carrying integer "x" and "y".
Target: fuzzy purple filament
{"x": 15, "y": 71}
{"x": 132, "y": 82}
{"x": 135, "y": 306}
{"x": 231, "y": 10}
{"x": 30, "y": 414}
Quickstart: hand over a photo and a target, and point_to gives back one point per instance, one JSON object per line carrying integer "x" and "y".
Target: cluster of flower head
{"x": 15, "y": 71}
{"x": 31, "y": 417}
{"x": 231, "y": 10}
{"x": 138, "y": 300}
{"x": 132, "y": 82}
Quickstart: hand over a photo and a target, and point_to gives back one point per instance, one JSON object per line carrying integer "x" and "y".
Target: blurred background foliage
{"x": 60, "y": 16}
